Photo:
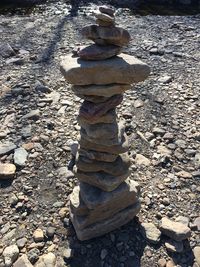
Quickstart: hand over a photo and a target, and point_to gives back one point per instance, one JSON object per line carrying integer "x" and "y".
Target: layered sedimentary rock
{"x": 106, "y": 198}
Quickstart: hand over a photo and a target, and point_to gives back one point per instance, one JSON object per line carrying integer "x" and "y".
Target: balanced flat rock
{"x": 97, "y": 52}
{"x": 119, "y": 167}
{"x": 95, "y": 155}
{"x": 95, "y": 198}
{"x": 121, "y": 147}
{"x": 123, "y": 69}
{"x": 102, "y": 180}
{"x": 108, "y": 117}
{"x": 107, "y": 10}
{"x": 109, "y": 35}
{"x": 101, "y": 90}
{"x": 108, "y": 225}
{"x": 101, "y": 130}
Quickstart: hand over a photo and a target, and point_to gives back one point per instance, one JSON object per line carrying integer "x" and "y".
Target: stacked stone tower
{"x": 105, "y": 198}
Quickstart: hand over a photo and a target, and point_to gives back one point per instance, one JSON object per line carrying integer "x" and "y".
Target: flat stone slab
{"x": 101, "y": 130}
{"x": 95, "y": 198}
{"x": 102, "y": 180}
{"x": 123, "y": 69}
{"x": 99, "y": 156}
{"x": 119, "y": 167}
{"x": 121, "y": 147}
{"x": 175, "y": 230}
{"x": 107, "y": 225}
{"x": 108, "y": 117}
{"x": 100, "y": 90}
{"x": 97, "y": 52}
{"x": 107, "y": 35}
{"x": 92, "y": 98}
{"x": 77, "y": 205}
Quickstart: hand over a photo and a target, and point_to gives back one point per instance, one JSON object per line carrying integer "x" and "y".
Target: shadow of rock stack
{"x": 106, "y": 198}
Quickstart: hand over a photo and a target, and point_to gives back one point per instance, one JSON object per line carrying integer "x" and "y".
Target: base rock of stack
{"x": 107, "y": 225}
{"x": 97, "y": 52}
{"x": 101, "y": 90}
{"x": 102, "y": 180}
{"x": 123, "y": 69}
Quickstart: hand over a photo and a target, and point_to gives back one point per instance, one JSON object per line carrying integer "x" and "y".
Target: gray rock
{"x": 197, "y": 254}
{"x": 151, "y": 232}
{"x": 10, "y": 255}
{"x": 175, "y": 230}
{"x": 6, "y": 50}
{"x": 97, "y": 52}
{"x": 108, "y": 225}
{"x": 47, "y": 260}
{"x": 33, "y": 115}
{"x": 33, "y": 255}
{"x": 106, "y": 35}
{"x": 21, "y": 242}
{"x": 142, "y": 160}
{"x": 23, "y": 262}
{"x": 123, "y": 69}
{"x": 20, "y": 156}
{"x": 7, "y": 148}
{"x": 26, "y": 131}
{"x": 50, "y": 231}
{"x": 101, "y": 180}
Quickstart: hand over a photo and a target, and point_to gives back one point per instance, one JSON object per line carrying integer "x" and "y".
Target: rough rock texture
{"x": 97, "y": 52}
{"x": 23, "y": 262}
{"x": 101, "y": 90}
{"x": 106, "y": 35}
{"x": 123, "y": 69}
{"x": 7, "y": 170}
{"x": 107, "y": 225}
{"x": 175, "y": 230}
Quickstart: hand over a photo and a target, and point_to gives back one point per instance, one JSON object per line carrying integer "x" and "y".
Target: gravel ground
{"x": 162, "y": 120}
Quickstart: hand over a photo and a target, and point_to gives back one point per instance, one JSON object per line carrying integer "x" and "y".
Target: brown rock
{"x": 162, "y": 262}
{"x": 102, "y": 180}
{"x": 197, "y": 254}
{"x": 110, "y": 35}
{"x": 101, "y": 130}
{"x": 7, "y": 171}
{"x": 119, "y": 148}
{"x": 91, "y": 111}
{"x": 107, "y": 225}
{"x": 117, "y": 168}
{"x": 105, "y": 23}
{"x": 100, "y": 156}
{"x": 101, "y": 90}
{"x": 105, "y": 17}
{"x": 97, "y": 52}
{"x": 109, "y": 117}
{"x": 175, "y": 230}
{"x": 123, "y": 69}
{"x": 174, "y": 246}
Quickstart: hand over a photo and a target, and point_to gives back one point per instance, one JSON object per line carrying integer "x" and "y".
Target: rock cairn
{"x": 106, "y": 198}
